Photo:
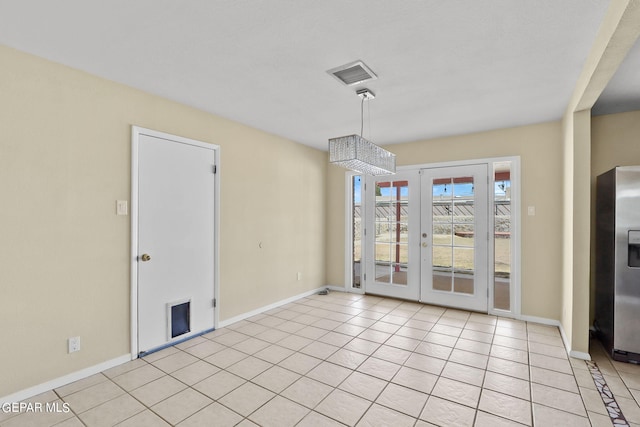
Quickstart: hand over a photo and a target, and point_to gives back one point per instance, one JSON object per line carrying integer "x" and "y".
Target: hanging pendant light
{"x": 359, "y": 154}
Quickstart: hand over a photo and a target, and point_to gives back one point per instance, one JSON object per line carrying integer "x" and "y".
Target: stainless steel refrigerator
{"x": 617, "y": 263}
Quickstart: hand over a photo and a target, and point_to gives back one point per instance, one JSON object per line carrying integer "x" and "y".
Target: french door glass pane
{"x": 442, "y": 210}
{"x": 383, "y": 273}
{"x": 399, "y": 232}
{"x": 502, "y": 236}
{"x": 383, "y": 252}
{"x": 442, "y": 234}
{"x": 463, "y": 260}
{"x": 463, "y": 210}
{"x": 441, "y": 281}
{"x": 463, "y": 284}
{"x": 464, "y": 235}
{"x": 357, "y": 230}
{"x": 399, "y": 274}
{"x": 442, "y": 258}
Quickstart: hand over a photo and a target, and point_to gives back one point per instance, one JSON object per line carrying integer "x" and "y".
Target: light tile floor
{"x": 345, "y": 359}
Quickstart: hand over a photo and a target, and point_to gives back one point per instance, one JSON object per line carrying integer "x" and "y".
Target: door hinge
{"x": 365, "y": 277}
{"x": 215, "y": 303}
{"x": 215, "y": 169}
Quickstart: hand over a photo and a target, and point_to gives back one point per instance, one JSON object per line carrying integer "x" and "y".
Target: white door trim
{"x": 136, "y": 132}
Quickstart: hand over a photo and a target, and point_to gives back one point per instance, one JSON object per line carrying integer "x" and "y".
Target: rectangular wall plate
{"x": 122, "y": 207}
{"x": 74, "y": 344}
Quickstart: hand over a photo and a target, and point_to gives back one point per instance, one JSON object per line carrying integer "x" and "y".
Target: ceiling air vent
{"x": 353, "y": 73}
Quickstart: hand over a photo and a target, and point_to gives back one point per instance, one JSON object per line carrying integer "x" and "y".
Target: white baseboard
{"x": 541, "y": 320}
{"x": 64, "y": 380}
{"x": 580, "y": 355}
{"x": 346, "y": 290}
{"x": 257, "y": 311}
{"x": 567, "y": 345}
{"x": 573, "y": 353}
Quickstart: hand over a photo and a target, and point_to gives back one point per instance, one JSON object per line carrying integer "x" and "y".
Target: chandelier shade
{"x": 358, "y": 154}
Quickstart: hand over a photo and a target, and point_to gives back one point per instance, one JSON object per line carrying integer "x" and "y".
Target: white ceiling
{"x": 444, "y": 67}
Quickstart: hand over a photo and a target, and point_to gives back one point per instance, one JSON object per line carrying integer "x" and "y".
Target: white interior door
{"x": 175, "y": 240}
{"x": 392, "y": 236}
{"x": 454, "y": 236}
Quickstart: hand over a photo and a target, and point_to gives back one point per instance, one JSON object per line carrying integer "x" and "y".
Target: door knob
{"x": 145, "y": 257}
{"x": 424, "y": 244}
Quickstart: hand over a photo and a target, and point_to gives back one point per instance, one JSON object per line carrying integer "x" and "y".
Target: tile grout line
{"x": 613, "y": 409}
{"x": 75, "y": 414}
{"x": 530, "y": 376}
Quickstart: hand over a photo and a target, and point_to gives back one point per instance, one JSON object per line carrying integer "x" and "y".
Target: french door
{"x": 454, "y": 240}
{"x": 427, "y": 236}
{"x": 393, "y": 209}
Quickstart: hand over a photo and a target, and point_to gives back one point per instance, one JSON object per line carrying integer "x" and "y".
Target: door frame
{"x": 136, "y": 132}
{"x": 516, "y": 248}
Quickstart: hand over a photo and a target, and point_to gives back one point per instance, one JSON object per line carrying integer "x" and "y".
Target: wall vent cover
{"x": 353, "y": 73}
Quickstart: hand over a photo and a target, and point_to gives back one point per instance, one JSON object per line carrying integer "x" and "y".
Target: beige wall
{"x": 615, "y": 141}
{"x": 64, "y": 161}
{"x": 540, "y": 149}
{"x": 576, "y": 240}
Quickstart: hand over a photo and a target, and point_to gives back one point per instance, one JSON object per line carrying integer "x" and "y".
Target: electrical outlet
{"x": 74, "y": 344}
{"x": 299, "y": 275}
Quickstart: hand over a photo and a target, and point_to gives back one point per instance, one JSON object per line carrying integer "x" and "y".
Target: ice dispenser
{"x": 634, "y": 248}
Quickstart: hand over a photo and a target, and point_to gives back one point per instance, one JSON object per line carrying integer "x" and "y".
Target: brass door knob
{"x": 145, "y": 257}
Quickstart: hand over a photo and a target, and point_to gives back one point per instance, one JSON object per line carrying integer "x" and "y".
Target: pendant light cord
{"x": 369, "y": 118}
{"x": 361, "y": 116}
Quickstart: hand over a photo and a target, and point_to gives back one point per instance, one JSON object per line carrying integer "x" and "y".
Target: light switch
{"x": 121, "y": 207}
{"x": 531, "y": 210}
